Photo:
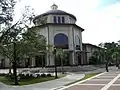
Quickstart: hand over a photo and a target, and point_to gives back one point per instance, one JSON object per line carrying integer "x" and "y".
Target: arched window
{"x": 77, "y": 42}
{"x": 61, "y": 41}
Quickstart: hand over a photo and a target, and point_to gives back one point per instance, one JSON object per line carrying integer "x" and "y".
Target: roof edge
{"x": 60, "y": 24}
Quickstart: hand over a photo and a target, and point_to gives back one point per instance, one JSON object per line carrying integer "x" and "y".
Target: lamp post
{"x": 106, "y": 64}
{"x": 55, "y": 63}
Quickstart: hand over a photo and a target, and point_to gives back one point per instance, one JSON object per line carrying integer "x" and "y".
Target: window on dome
{"x": 59, "y": 20}
{"x": 63, "y": 20}
{"x": 55, "y": 19}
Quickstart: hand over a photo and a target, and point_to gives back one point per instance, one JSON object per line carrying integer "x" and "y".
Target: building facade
{"x": 88, "y": 50}
{"x": 60, "y": 30}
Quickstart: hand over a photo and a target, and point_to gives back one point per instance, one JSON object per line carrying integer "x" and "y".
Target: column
{"x": 50, "y": 59}
{"x": 33, "y": 61}
{"x": 72, "y": 58}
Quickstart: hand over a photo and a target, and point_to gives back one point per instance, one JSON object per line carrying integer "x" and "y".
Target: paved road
{"x": 103, "y": 81}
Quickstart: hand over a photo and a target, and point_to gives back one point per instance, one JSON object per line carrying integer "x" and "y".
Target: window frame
{"x": 63, "y": 19}
{"x": 59, "y": 19}
{"x": 54, "y": 19}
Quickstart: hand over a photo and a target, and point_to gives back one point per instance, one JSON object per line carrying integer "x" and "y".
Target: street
{"x": 103, "y": 81}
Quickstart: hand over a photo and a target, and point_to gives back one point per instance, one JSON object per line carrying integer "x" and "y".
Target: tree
{"x": 110, "y": 51}
{"x": 61, "y": 55}
{"x": 11, "y": 35}
{"x": 7, "y": 9}
{"x": 97, "y": 57}
{"x": 31, "y": 43}
{"x": 116, "y": 57}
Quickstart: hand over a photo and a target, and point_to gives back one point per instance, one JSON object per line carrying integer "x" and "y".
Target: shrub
{"x": 2, "y": 74}
{"x": 27, "y": 75}
{"x": 49, "y": 75}
{"x": 22, "y": 76}
{"x": 38, "y": 75}
{"x": 10, "y": 76}
{"x": 43, "y": 75}
{"x": 93, "y": 60}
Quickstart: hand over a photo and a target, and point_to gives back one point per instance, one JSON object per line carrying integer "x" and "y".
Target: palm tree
{"x": 61, "y": 54}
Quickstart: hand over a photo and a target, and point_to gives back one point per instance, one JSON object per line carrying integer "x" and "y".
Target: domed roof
{"x": 55, "y": 11}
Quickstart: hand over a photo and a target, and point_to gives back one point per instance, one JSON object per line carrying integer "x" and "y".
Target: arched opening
{"x": 61, "y": 41}
{"x": 78, "y": 47}
{"x": 77, "y": 42}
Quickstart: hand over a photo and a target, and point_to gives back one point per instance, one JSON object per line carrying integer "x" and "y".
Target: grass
{"x": 6, "y": 81}
{"x": 86, "y": 77}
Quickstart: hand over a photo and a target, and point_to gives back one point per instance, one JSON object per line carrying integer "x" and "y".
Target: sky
{"x": 99, "y": 18}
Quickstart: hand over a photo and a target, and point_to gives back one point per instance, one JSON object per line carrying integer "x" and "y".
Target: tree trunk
{"x": 62, "y": 66}
{"x": 106, "y": 65}
{"x": 10, "y": 67}
{"x": 15, "y": 66}
{"x": 118, "y": 65}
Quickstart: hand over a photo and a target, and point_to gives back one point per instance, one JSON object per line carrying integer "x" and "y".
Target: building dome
{"x": 54, "y": 11}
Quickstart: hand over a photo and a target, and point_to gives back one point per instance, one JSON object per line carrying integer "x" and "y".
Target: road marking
{"x": 81, "y": 81}
{"x": 115, "y": 84}
{"x": 100, "y": 80}
{"x": 93, "y": 84}
{"x": 110, "y": 83}
{"x": 57, "y": 88}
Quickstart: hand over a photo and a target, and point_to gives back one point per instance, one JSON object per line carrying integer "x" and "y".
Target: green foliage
{"x": 10, "y": 77}
{"x": 95, "y": 59}
{"x": 7, "y": 9}
{"x": 61, "y": 57}
{"x": 43, "y": 75}
{"x": 112, "y": 52}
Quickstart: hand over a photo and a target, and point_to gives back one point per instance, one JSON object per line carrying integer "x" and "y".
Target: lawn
{"x": 89, "y": 75}
{"x": 7, "y": 81}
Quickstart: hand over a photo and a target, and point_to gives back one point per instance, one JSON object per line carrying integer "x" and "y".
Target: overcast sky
{"x": 99, "y": 18}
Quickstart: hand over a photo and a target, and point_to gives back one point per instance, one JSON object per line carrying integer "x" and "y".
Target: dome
{"x": 54, "y": 11}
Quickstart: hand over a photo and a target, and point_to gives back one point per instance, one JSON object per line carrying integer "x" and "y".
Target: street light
{"x": 106, "y": 64}
{"x": 55, "y": 63}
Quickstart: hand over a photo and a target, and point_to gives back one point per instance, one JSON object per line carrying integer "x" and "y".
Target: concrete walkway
{"x": 49, "y": 85}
